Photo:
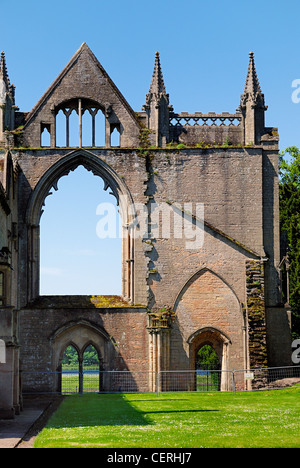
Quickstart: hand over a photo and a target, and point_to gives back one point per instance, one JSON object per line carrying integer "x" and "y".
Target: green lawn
{"x": 185, "y": 420}
{"x": 70, "y": 383}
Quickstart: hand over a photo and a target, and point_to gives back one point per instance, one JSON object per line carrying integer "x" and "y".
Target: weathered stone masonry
{"x": 220, "y": 287}
{"x": 256, "y": 313}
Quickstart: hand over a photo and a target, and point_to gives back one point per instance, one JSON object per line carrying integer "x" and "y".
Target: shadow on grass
{"x": 106, "y": 410}
{"x": 181, "y": 411}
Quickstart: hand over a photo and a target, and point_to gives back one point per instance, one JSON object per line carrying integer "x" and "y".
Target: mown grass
{"x": 185, "y": 420}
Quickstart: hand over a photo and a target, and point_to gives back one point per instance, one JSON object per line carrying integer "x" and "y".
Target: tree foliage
{"x": 70, "y": 358}
{"x": 207, "y": 358}
{"x": 289, "y": 196}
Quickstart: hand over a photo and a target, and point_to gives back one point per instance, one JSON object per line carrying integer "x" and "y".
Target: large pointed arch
{"x": 44, "y": 187}
{"x": 194, "y": 277}
{"x": 68, "y": 163}
{"x": 208, "y": 307}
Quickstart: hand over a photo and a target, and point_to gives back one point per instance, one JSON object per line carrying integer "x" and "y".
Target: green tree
{"x": 289, "y": 196}
{"x": 70, "y": 357}
{"x": 207, "y": 358}
{"x": 90, "y": 357}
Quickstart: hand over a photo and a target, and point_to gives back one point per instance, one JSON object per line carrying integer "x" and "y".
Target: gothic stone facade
{"x": 177, "y": 294}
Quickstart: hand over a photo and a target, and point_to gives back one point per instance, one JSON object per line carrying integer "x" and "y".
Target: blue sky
{"x": 203, "y": 46}
{"x": 74, "y": 259}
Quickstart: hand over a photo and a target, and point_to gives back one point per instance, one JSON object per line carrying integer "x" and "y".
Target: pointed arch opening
{"x": 45, "y": 135}
{"x": 208, "y": 355}
{"x": 70, "y": 382}
{"x": 72, "y": 134}
{"x": 80, "y": 352}
{"x": 80, "y": 245}
{"x": 115, "y": 135}
{"x": 91, "y": 366}
{"x": 116, "y": 211}
{"x": 80, "y": 122}
{"x": 207, "y": 358}
{"x": 207, "y": 366}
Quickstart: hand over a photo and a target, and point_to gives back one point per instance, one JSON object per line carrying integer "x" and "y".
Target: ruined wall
{"x": 216, "y": 174}
{"x": 119, "y": 333}
{"x": 9, "y": 325}
{"x": 228, "y": 184}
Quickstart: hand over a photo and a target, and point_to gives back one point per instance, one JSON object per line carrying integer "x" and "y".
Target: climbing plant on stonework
{"x": 289, "y": 196}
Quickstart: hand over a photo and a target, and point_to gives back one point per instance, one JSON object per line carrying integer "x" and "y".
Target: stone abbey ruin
{"x": 221, "y": 288}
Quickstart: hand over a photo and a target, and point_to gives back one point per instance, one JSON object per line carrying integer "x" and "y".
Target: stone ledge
{"x": 80, "y": 302}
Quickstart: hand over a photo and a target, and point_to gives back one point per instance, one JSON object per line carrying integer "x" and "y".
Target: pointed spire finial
{"x": 3, "y": 70}
{"x": 252, "y": 106}
{"x": 157, "y": 106}
{"x": 252, "y": 85}
{"x": 252, "y": 91}
{"x": 7, "y": 101}
{"x": 5, "y": 87}
{"x": 157, "y": 85}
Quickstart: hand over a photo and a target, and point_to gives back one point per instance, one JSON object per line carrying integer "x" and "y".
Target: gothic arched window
{"x": 80, "y": 123}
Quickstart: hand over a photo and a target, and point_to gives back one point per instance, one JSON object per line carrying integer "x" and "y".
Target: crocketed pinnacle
{"x": 157, "y": 85}
{"x": 252, "y": 86}
{"x": 3, "y": 70}
{"x": 252, "y": 91}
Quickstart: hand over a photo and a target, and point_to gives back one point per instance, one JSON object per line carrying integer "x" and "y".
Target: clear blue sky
{"x": 203, "y": 46}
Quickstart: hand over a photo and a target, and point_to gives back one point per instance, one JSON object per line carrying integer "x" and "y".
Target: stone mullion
{"x": 80, "y": 122}
{"x": 93, "y": 114}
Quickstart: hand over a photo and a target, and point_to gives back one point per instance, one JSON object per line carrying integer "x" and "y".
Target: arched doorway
{"x": 208, "y": 355}
{"x": 80, "y": 370}
{"x": 81, "y": 351}
{"x": 207, "y": 364}
{"x": 91, "y": 369}
{"x": 70, "y": 376}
